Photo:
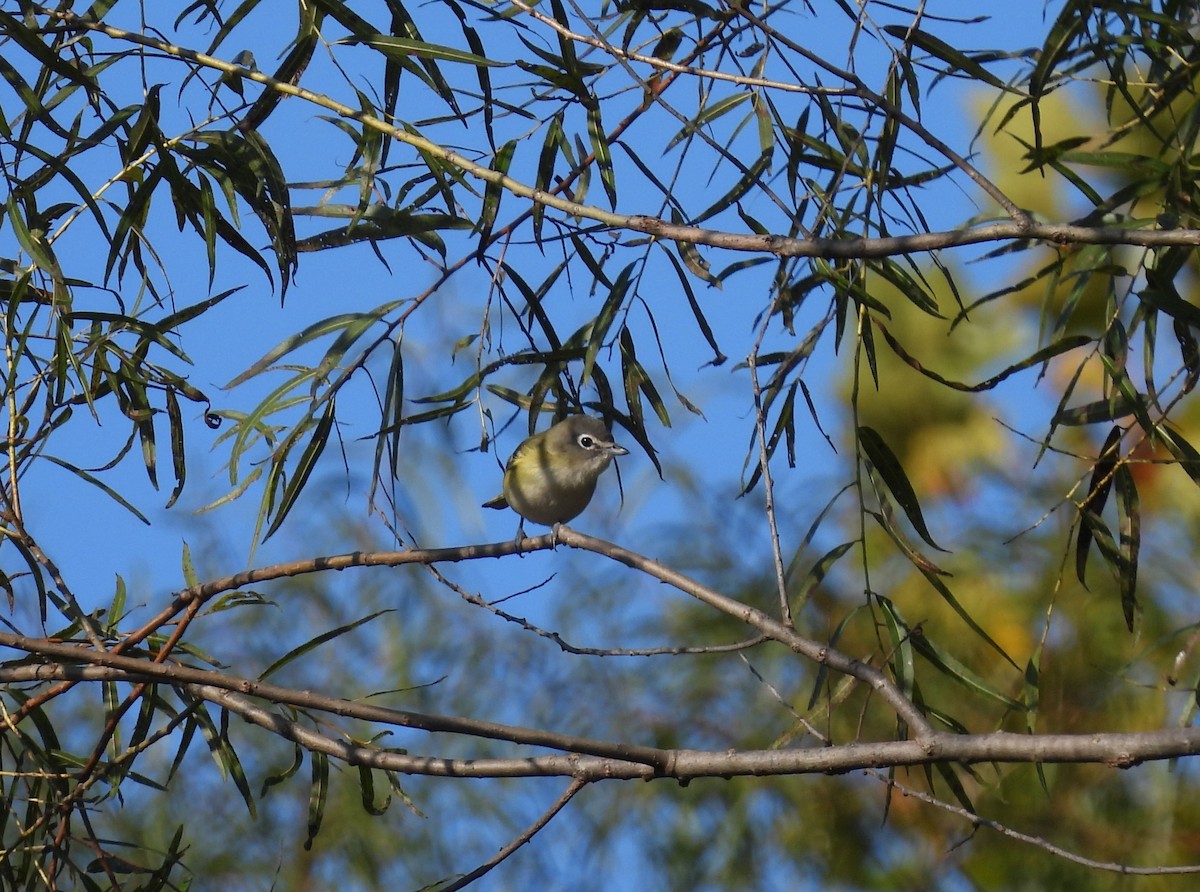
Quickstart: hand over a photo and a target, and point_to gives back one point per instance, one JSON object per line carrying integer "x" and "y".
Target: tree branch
{"x": 1115, "y": 750}
{"x": 783, "y": 246}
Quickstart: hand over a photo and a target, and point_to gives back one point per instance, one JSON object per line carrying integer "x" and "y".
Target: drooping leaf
{"x": 1090, "y": 524}
{"x": 890, "y": 470}
{"x": 1130, "y": 525}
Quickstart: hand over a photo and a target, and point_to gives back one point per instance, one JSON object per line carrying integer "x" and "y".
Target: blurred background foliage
{"x": 147, "y": 185}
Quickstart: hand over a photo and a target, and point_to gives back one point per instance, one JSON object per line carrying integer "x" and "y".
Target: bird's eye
{"x": 587, "y": 442}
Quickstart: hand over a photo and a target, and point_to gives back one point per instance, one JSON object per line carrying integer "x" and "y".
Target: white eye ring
{"x": 586, "y": 442}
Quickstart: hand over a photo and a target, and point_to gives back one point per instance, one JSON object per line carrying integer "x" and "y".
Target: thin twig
{"x": 764, "y": 464}
{"x": 567, "y": 647}
{"x": 559, "y": 804}
{"x": 1038, "y": 841}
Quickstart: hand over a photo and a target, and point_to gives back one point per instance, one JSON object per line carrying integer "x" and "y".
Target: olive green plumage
{"x": 551, "y": 477}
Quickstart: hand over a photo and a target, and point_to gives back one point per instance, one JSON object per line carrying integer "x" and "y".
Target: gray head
{"x": 587, "y": 441}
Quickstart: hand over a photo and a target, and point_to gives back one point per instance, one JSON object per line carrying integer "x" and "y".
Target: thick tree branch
{"x": 1115, "y": 750}
{"x": 89, "y": 665}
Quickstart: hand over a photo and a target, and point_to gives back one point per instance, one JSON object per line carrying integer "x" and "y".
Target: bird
{"x": 552, "y": 476}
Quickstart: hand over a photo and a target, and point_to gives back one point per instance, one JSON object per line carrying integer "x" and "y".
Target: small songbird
{"x": 551, "y": 477}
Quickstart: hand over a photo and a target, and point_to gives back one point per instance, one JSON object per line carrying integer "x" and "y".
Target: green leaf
{"x": 1090, "y": 525}
{"x": 366, "y": 784}
{"x": 190, "y": 576}
{"x": 314, "y": 643}
{"x": 602, "y": 152}
{"x": 805, "y": 586}
{"x": 292, "y": 343}
{"x": 287, "y": 773}
{"x": 1130, "y": 524}
{"x": 593, "y": 334}
{"x": 785, "y": 428}
{"x": 939, "y": 49}
{"x": 751, "y": 179}
{"x": 99, "y": 484}
{"x": 403, "y": 48}
{"x": 304, "y": 467}
{"x": 224, "y": 755}
{"x": 1185, "y": 453}
{"x": 318, "y": 796}
{"x": 116, "y": 610}
{"x": 900, "y": 647}
{"x": 885, "y": 462}
{"x": 707, "y": 115}
{"x": 493, "y": 192}
{"x": 952, "y": 668}
{"x": 178, "y": 453}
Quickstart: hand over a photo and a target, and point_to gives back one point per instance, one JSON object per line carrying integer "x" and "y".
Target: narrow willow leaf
{"x": 29, "y": 40}
{"x": 304, "y": 467}
{"x": 1124, "y": 393}
{"x": 956, "y": 59}
{"x": 868, "y": 348}
{"x": 1093, "y": 504}
{"x": 1130, "y": 525}
{"x": 1189, "y": 350}
{"x": 805, "y": 586}
{"x": 637, "y": 380}
{"x": 952, "y": 668}
{"x": 751, "y": 179}
{"x": 293, "y": 342}
{"x": 178, "y": 454}
{"x": 425, "y": 229}
{"x": 252, "y": 428}
{"x": 287, "y": 773}
{"x": 1102, "y": 410}
{"x": 116, "y": 610}
{"x": 900, "y": 646}
{"x": 1041, "y": 356}
{"x": 885, "y": 462}
{"x": 366, "y": 785}
{"x": 697, "y": 314}
{"x": 553, "y": 143}
{"x": 392, "y": 412}
{"x": 190, "y": 576}
{"x": 707, "y": 115}
{"x": 493, "y": 192}
{"x": 317, "y": 797}
{"x": 99, "y": 484}
{"x": 696, "y": 264}
{"x": 33, "y": 243}
{"x": 1185, "y": 453}
{"x": 602, "y": 152}
{"x": 313, "y": 643}
{"x": 595, "y": 332}
{"x": 785, "y": 427}
{"x": 403, "y": 48}
{"x": 823, "y": 671}
{"x": 225, "y": 756}
{"x": 943, "y": 590}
